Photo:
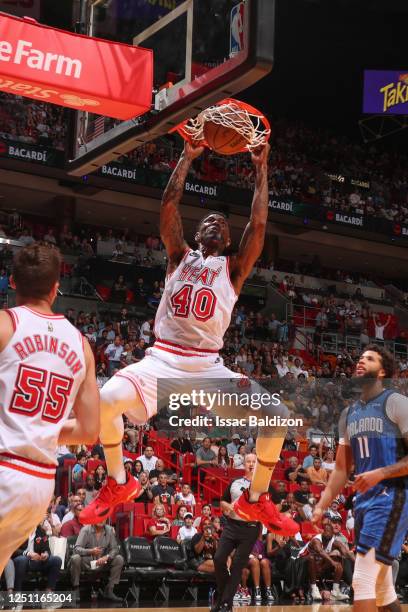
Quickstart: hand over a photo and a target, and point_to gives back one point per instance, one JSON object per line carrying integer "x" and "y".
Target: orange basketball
{"x": 223, "y": 140}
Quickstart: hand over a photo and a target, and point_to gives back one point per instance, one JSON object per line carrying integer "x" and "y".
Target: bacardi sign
{"x": 76, "y": 71}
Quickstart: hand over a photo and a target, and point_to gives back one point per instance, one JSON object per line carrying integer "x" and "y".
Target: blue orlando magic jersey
{"x": 375, "y": 440}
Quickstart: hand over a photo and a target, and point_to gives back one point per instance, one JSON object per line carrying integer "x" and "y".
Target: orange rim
{"x": 250, "y": 109}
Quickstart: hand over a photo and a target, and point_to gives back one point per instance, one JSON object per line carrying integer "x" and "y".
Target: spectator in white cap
{"x": 232, "y": 447}
{"x": 187, "y": 531}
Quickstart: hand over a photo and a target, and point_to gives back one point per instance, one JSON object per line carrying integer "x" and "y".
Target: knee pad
{"x": 385, "y": 591}
{"x": 365, "y": 575}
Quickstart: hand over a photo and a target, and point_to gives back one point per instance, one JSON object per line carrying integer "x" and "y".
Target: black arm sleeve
{"x": 227, "y": 494}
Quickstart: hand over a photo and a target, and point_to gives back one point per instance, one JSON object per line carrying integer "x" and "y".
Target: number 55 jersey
{"x": 41, "y": 370}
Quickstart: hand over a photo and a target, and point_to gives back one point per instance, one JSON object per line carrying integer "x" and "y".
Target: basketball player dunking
{"x": 46, "y": 369}
{"x": 374, "y": 436}
{"x": 201, "y": 289}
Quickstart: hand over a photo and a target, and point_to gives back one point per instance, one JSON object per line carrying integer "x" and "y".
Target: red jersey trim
{"x": 185, "y": 348}
{"x": 19, "y": 468}
{"x": 138, "y": 389}
{"x": 169, "y": 350}
{"x": 13, "y": 319}
{"x": 48, "y": 466}
{"x": 42, "y": 315}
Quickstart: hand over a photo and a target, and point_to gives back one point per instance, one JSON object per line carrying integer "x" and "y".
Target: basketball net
{"x": 234, "y": 114}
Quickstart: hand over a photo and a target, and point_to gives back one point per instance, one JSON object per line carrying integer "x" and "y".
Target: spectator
{"x": 205, "y": 515}
{"x": 308, "y": 460}
{"x": 280, "y": 490}
{"x": 295, "y": 472}
{"x": 163, "y": 493}
{"x": 337, "y": 524}
{"x": 187, "y": 531}
{"x": 100, "y": 476}
{"x": 317, "y": 473}
{"x": 324, "y": 560}
{"x": 203, "y": 547}
{"x": 329, "y": 461}
{"x": 79, "y": 469}
{"x": 260, "y": 566}
{"x": 146, "y": 331}
{"x": 181, "y": 444}
{"x": 159, "y": 524}
{"x": 37, "y": 557}
{"x": 139, "y": 350}
{"x": 180, "y": 514}
{"x": 137, "y": 469}
{"x": 223, "y": 460}
{"x": 148, "y": 459}
{"x": 185, "y": 496}
{"x": 114, "y": 354}
{"x": 304, "y": 501}
{"x": 232, "y": 447}
{"x": 97, "y": 546}
{"x": 333, "y": 511}
{"x": 379, "y": 327}
{"x": 146, "y": 495}
{"x": 239, "y": 458}
{"x": 160, "y": 469}
{"x": 3, "y": 282}
{"x": 73, "y": 501}
{"x": 74, "y": 526}
{"x": 205, "y": 456}
{"x": 119, "y": 290}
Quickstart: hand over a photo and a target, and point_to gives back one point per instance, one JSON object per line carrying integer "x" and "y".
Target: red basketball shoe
{"x": 108, "y": 498}
{"x": 265, "y": 511}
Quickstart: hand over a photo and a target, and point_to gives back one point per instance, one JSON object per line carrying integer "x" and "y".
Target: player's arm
{"x": 85, "y": 427}
{"x": 252, "y": 242}
{"x": 171, "y": 227}
{"x": 6, "y": 329}
{"x": 317, "y": 547}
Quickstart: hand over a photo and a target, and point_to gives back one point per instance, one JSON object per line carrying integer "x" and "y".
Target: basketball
{"x": 223, "y": 140}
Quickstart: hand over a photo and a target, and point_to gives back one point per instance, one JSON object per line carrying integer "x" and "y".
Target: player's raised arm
{"x": 84, "y": 428}
{"x": 171, "y": 227}
{"x": 252, "y": 241}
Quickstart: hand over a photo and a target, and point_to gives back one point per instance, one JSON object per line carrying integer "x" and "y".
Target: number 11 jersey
{"x": 41, "y": 370}
{"x": 197, "y": 302}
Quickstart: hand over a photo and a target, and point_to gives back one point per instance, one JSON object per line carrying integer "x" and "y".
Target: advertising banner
{"x": 386, "y": 92}
{"x": 75, "y": 71}
{"x": 31, "y": 153}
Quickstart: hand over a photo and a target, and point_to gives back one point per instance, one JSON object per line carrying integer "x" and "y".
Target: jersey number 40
{"x": 202, "y": 307}
{"x": 37, "y": 390}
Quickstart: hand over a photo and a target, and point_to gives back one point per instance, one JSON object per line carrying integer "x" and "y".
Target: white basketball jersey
{"x": 41, "y": 370}
{"x": 196, "y": 306}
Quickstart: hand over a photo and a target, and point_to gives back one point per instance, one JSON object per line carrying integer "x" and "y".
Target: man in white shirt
{"x": 187, "y": 531}
{"x": 148, "y": 459}
{"x": 114, "y": 353}
{"x": 379, "y": 329}
{"x": 146, "y": 331}
{"x": 281, "y": 368}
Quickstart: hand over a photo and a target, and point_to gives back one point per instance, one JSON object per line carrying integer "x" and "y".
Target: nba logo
{"x": 237, "y": 29}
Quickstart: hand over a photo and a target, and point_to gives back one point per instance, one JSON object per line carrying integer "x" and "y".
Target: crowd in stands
{"x": 306, "y": 164}
{"x": 32, "y": 122}
{"x": 312, "y": 568}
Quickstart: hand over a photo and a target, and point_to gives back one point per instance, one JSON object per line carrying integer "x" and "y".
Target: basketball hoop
{"x": 250, "y": 123}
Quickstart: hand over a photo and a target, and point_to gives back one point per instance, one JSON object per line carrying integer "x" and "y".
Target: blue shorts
{"x": 381, "y": 522}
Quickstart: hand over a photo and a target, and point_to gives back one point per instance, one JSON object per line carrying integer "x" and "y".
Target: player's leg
{"x": 20, "y": 514}
{"x": 118, "y": 396}
{"x": 385, "y": 594}
{"x": 366, "y": 573}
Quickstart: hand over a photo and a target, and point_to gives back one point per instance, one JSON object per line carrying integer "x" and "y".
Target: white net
{"x": 231, "y": 115}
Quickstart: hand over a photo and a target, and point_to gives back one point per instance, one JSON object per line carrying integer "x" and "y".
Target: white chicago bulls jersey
{"x": 41, "y": 370}
{"x": 196, "y": 306}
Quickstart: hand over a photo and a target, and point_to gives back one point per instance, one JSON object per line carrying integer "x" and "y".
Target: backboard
{"x": 204, "y": 51}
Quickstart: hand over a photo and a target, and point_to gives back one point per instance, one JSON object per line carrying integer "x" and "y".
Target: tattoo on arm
{"x": 171, "y": 227}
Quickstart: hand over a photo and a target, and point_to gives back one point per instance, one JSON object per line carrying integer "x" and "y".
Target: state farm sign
{"x": 107, "y": 78}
